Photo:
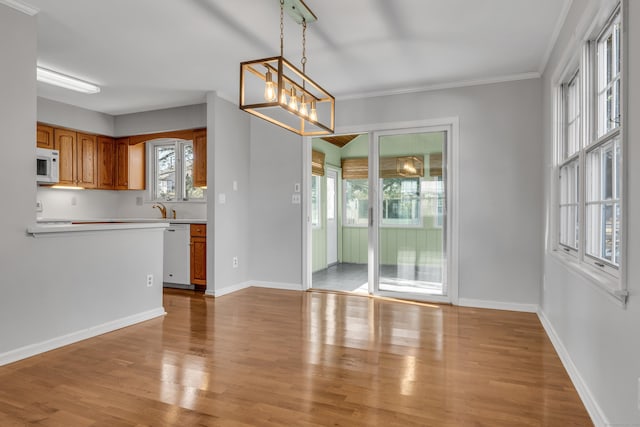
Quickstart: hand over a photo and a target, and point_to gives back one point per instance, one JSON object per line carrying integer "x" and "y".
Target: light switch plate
{"x": 235, "y": 185}
{"x": 222, "y": 198}
{"x": 296, "y": 187}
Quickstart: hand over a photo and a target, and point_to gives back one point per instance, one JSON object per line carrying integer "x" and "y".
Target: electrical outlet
{"x": 295, "y": 199}
{"x": 235, "y": 262}
{"x": 149, "y": 280}
{"x": 39, "y": 206}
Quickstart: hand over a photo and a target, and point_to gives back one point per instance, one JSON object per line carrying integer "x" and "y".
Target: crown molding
{"x": 21, "y": 6}
{"x": 564, "y": 12}
{"x": 449, "y": 85}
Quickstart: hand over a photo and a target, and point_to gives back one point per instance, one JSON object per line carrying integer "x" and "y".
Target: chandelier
{"x": 275, "y": 90}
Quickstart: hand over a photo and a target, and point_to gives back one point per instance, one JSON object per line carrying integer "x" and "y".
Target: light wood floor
{"x": 268, "y": 357}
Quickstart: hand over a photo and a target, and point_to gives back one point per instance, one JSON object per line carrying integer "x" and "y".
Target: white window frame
{"x": 319, "y": 179}
{"x": 606, "y": 274}
{"x": 179, "y": 145}
{"x": 419, "y": 224}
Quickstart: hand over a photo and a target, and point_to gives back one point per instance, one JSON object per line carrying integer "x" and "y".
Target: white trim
{"x": 441, "y": 86}
{"x": 276, "y": 285}
{"x": 498, "y": 305}
{"x": 595, "y": 412}
{"x": 564, "y": 12}
{"x": 255, "y": 284}
{"x": 227, "y": 289}
{"x": 73, "y": 337}
{"x": 21, "y": 6}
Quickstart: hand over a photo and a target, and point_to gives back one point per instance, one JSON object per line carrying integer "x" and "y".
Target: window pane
{"x": 165, "y": 179}
{"x": 401, "y": 201}
{"x": 608, "y": 78}
{"x": 315, "y": 201}
{"x": 190, "y": 192}
{"x": 331, "y": 198}
{"x": 356, "y": 202}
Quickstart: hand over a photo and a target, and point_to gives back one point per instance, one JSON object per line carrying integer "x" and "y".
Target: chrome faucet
{"x": 163, "y": 209}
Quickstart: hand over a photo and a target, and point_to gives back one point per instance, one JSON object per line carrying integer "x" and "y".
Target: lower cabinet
{"x": 199, "y": 256}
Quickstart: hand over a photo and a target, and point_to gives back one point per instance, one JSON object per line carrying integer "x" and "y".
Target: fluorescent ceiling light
{"x": 57, "y": 79}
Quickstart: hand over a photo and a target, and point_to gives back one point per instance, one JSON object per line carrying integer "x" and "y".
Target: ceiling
{"x": 150, "y": 54}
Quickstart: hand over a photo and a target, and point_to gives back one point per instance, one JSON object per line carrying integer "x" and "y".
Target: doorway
{"x": 392, "y": 205}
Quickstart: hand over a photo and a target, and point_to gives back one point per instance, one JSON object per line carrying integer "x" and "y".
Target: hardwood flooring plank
{"x": 263, "y": 357}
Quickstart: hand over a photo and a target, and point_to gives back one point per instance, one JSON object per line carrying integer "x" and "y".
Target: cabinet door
{"x": 87, "y": 161}
{"x": 106, "y": 163}
{"x": 65, "y": 143}
{"x": 199, "y": 255}
{"x": 44, "y": 137}
{"x": 200, "y": 158}
{"x": 130, "y": 167}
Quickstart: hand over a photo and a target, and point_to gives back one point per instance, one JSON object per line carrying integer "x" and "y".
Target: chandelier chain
{"x": 304, "y": 44}
{"x": 281, "y": 27}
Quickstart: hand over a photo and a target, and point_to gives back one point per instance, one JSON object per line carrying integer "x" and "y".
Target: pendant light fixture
{"x": 277, "y": 91}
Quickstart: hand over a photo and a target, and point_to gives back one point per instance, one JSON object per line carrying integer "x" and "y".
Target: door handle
{"x": 370, "y": 217}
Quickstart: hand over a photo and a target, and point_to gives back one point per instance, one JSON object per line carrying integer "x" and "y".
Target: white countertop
{"x": 70, "y": 228}
{"x": 47, "y": 221}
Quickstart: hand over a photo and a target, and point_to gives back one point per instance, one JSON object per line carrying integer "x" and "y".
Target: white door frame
{"x": 452, "y": 194}
{"x": 336, "y": 171}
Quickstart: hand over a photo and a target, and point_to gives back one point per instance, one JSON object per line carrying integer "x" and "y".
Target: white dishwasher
{"x": 176, "y": 257}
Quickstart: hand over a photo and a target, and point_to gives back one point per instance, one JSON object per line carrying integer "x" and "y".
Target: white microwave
{"x": 47, "y": 166}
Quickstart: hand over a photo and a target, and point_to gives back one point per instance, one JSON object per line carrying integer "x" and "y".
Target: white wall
{"x": 64, "y": 286}
{"x": 70, "y": 116}
{"x": 599, "y": 337}
{"x": 276, "y": 223}
{"x": 178, "y": 118}
{"x": 228, "y": 160}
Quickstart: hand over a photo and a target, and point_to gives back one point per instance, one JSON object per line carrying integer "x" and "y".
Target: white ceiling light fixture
{"x": 278, "y": 92}
{"x": 57, "y": 79}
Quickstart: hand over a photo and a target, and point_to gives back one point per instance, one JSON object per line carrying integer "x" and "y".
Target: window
{"x": 590, "y": 155}
{"x": 400, "y": 201}
{"x": 171, "y": 171}
{"x": 356, "y": 202}
{"x": 400, "y": 204}
{"x": 316, "y": 185}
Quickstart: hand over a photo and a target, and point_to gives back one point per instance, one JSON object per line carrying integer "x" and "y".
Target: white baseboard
{"x": 83, "y": 334}
{"x": 253, "y": 283}
{"x": 227, "y": 290}
{"x": 594, "y": 410}
{"x": 276, "y": 285}
{"x": 498, "y": 305}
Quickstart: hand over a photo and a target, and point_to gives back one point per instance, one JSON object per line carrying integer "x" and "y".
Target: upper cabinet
{"x": 130, "y": 165}
{"x": 87, "y": 167}
{"x": 44, "y": 136}
{"x": 200, "y": 158}
{"x": 78, "y": 162}
{"x": 106, "y": 163}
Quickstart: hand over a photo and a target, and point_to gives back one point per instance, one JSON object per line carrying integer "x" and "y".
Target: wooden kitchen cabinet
{"x": 199, "y": 256}
{"x": 44, "y": 136}
{"x": 65, "y": 143}
{"x": 106, "y": 163}
{"x": 78, "y": 161}
{"x": 87, "y": 146}
{"x": 129, "y": 165}
{"x": 200, "y": 158}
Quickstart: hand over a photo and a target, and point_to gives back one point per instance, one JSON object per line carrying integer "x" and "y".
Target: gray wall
{"x": 276, "y": 223}
{"x": 500, "y": 159}
{"x": 57, "y": 287}
{"x": 178, "y": 118}
{"x": 65, "y": 115}
{"x": 599, "y": 336}
{"x": 228, "y": 160}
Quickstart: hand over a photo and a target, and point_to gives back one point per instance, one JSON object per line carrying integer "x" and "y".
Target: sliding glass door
{"x": 408, "y": 200}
